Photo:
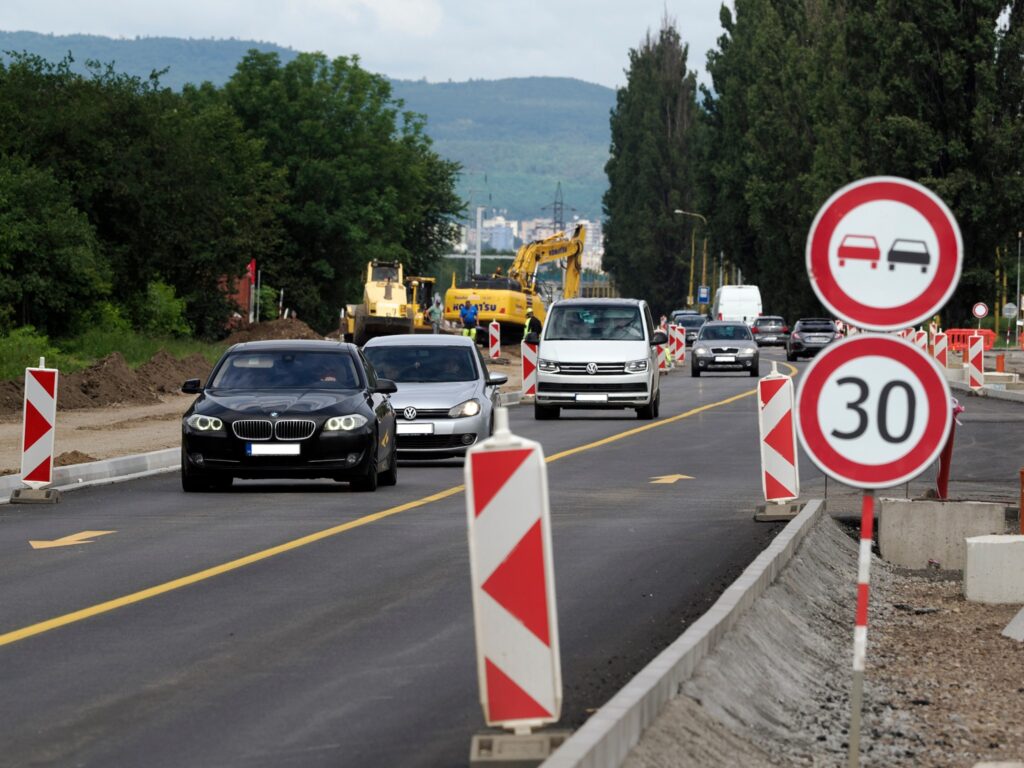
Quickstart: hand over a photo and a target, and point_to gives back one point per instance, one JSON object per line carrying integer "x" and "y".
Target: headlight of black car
{"x": 344, "y": 423}
{"x": 200, "y": 423}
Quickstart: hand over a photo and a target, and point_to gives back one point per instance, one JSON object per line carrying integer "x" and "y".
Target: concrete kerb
{"x": 608, "y": 736}
{"x": 99, "y": 472}
{"x": 1016, "y": 396}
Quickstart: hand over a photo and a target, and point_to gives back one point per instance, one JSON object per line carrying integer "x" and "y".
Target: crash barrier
{"x": 780, "y": 473}
{"x": 940, "y": 349}
{"x": 38, "y": 425}
{"x": 611, "y": 732}
{"x": 494, "y": 334}
{"x": 975, "y": 362}
{"x": 513, "y": 585}
{"x": 678, "y": 332}
{"x": 662, "y": 359}
{"x": 920, "y": 340}
{"x": 529, "y": 356}
{"x": 958, "y": 337}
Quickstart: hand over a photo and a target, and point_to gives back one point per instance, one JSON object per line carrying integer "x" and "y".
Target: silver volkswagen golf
{"x": 446, "y": 396}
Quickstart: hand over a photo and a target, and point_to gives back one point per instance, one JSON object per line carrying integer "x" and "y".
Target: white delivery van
{"x": 737, "y": 302}
{"x": 598, "y": 353}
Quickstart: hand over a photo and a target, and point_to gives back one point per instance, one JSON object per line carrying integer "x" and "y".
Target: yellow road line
{"x": 160, "y": 589}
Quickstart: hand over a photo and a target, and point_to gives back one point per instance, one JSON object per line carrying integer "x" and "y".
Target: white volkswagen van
{"x": 737, "y": 302}
{"x": 598, "y": 353}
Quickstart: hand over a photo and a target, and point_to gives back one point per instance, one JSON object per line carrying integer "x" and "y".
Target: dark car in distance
{"x": 809, "y": 336}
{"x": 290, "y": 409}
{"x": 692, "y": 325}
{"x": 770, "y": 330}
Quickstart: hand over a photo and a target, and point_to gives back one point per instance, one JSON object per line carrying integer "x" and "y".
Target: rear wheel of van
{"x": 545, "y": 412}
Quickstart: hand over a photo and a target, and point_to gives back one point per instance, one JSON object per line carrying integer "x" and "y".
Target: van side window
{"x": 649, "y": 322}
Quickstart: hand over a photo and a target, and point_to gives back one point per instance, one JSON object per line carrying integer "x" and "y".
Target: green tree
{"x": 651, "y": 172}
{"x": 363, "y": 181}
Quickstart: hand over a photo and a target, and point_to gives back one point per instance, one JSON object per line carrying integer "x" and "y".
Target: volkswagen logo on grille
{"x": 591, "y": 368}
{"x": 409, "y": 413}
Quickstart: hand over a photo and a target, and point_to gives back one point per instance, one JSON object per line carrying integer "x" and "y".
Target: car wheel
{"x": 649, "y": 411}
{"x": 368, "y": 482}
{"x": 790, "y": 356}
{"x": 695, "y": 371}
{"x": 390, "y": 475}
{"x": 545, "y": 412}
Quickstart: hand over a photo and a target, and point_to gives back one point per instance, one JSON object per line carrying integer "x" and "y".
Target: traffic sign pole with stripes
{"x": 529, "y": 358}
{"x": 940, "y": 349}
{"x": 494, "y": 333}
{"x": 511, "y": 564}
{"x": 780, "y": 473}
{"x": 976, "y": 362}
{"x": 40, "y": 418}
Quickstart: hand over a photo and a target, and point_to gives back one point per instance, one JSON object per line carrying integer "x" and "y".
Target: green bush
{"x": 164, "y": 313}
{"x": 22, "y": 348}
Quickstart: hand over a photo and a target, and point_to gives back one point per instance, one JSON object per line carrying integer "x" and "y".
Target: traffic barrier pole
{"x": 529, "y": 357}
{"x": 511, "y": 565}
{"x": 39, "y": 425}
{"x": 921, "y": 340}
{"x": 494, "y": 332}
{"x": 680, "y": 353}
{"x": 860, "y": 631}
{"x": 945, "y": 463}
{"x": 940, "y": 349}
{"x": 1001, "y": 363}
{"x": 976, "y": 362}
{"x": 780, "y": 473}
{"x": 662, "y": 360}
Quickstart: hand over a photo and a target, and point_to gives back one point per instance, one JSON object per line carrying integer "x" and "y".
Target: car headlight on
{"x": 636, "y": 366}
{"x": 548, "y": 366}
{"x": 748, "y": 352}
{"x": 701, "y": 351}
{"x": 344, "y": 423}
{"x": 201, "y": 423}
{"x": 468, "y": 408}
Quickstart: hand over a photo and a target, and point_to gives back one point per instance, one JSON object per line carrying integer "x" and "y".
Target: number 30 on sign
{"x": 873, "y": 411}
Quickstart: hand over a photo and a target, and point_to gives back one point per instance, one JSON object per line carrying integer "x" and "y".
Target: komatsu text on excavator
{"x": 506, "y": 299}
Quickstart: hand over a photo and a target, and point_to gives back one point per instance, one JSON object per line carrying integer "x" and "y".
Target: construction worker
{"x": 533, "y": 325}
{"x": 435, "y": 314}
{"x": 469, "y": 313}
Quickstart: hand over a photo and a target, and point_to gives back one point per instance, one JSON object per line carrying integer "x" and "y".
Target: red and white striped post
{"x": 518, "y": 664}
{"x": 921, "y": 340}
{"x": 679, "y": 353}
{"x": 860, "y": 630}
{"x": 780, "y": 473}
{"x": 976, "y": 362}
{"x": 40, "y": 420}
{"x": 662, "y": 359}
{"x": 940, "y": 349}
{"x": 529, "y": 357}
{"x": 494, "y": 333}
{"x": 673, "y": 343}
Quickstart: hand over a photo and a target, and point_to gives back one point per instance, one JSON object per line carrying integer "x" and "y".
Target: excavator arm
{"x": 554, "y": 248}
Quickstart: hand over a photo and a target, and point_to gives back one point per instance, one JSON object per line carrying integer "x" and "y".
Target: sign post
{"x": 40, "y": 421}
{"x": 883, "y": 254}
{"x": 980, "y": 311}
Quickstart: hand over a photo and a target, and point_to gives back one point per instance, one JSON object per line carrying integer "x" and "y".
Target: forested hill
{"x": 515, "y": 138}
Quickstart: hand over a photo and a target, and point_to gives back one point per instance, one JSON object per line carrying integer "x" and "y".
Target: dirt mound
{"x": 12, "y": 394}
{"x": 72, "y": 457}
{"x": 164, "y": 373}
{"x": 284, "y": 328}
{"x": 107, "y": 382}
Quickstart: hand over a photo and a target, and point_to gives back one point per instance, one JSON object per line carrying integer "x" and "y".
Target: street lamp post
{"x": 693, "y": 247}
{"x": 1018, "y": 302}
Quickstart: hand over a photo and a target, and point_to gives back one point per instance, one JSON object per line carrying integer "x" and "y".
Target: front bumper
{"x": 628, "y": 390}
{"x": 435, "y": 436}
{"x": 724, "y": 362}
{"x": 338, "y": 455}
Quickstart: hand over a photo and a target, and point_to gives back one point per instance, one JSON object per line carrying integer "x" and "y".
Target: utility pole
{"x": 693, "y": 249}
{"x": 1016, "y": 324}
{"x": 479, "y": 233}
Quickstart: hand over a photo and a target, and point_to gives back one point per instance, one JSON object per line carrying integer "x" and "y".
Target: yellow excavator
{"x": 506, "y": 298}
{"x": 385, "y": 309}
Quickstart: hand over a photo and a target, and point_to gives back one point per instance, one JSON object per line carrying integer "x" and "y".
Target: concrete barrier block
{"x": 911, "y": 532}
{"x": 995, "y": 569}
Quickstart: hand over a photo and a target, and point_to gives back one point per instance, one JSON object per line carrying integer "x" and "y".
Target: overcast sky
{"x": 406, "y": 39}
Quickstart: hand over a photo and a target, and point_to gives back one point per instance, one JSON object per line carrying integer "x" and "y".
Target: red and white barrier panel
{"x": 40, "y": 419}
{"x": 662, "y": 359}
{"x": 976, "y": 362}
{"x": 494, "y": 330}
{"x": 940, "y": 349}
{"x": 780, "y": 474}
{"x": 921, "y": 340}
{"x": 518, "y": 663}
{"x": 672, "y": 343}
{"x": 529, "y": 353}
{"x": 679, "y": 351}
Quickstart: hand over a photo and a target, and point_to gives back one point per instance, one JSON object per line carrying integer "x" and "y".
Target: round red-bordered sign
{"x": 980, "y": 310}
{"x": 884, "y": 253}
{"x": 873, "y": 411}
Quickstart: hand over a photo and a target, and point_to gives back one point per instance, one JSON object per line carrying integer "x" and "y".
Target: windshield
{"x": 725, "y": 333}
{"x": 821, "y": 326}
{"x": 423, "y": 364}
{"x": 692, "y": 321}
{"x": 287, "y": 370}
{"x": 383, "y": 273}
{"x": 604, "y": 323}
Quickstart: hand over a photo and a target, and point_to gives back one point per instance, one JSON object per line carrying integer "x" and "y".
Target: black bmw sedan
{"x": 289, "y": 409}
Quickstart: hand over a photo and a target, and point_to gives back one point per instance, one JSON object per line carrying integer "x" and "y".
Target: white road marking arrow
{"x": 669, "y": 479}
{"x": 85, "y": 537}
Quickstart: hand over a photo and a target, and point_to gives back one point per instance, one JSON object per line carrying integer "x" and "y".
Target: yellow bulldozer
{"x": 392, "y": 303}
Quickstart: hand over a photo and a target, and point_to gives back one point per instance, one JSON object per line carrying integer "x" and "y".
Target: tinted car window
{"x": 816, "y": 325}
{"x": 725, "y": 333}
{"x": 287, "y": 370}
{"x": 769, "y": 321}
{"x": 578, "y": 322}
{"x": 423, "y": 364}
{"x": 692, "y": 321}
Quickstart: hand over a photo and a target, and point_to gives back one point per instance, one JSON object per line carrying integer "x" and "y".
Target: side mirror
{"x": 385, "y": 387}
{"x": 659, "y": 337}
{"x": 496, "y": 379}
{"x": 192, "y": 387}
{"x": 532, "y": 338}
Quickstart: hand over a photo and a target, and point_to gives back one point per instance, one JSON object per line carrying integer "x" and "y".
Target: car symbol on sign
{"x": 909, "y": 252}
{"x": 860, "y": 247}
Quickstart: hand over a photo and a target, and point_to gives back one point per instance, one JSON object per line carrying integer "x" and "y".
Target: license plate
{"x": 591, "y": 398}
{"x": 770, "y": 338}
{"x": 415, "y": 429}
{"x": 272, "y": 449}
{"x": 725, "y": 359}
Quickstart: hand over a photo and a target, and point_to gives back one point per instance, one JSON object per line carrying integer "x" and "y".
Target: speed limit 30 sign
{"x": 873, "y": 411}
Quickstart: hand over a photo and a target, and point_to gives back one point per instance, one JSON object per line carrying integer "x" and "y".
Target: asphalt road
{"x": 304, "y": 625}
